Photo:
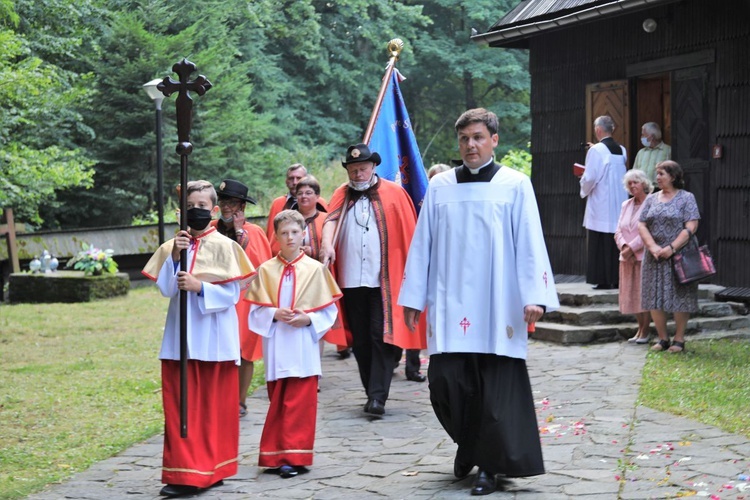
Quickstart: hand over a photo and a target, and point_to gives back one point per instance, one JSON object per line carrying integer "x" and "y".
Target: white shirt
{"x": 602, "y": 184}
{"x": 290, "y": 351}
{"x": 359, "y": 247}
{"x": 211, "y": 319}
{"x": 476, "y": 259}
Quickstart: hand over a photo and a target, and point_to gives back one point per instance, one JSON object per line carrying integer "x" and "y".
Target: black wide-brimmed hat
{"x": 360, "y": 153}
{"x": 234, "y": 189}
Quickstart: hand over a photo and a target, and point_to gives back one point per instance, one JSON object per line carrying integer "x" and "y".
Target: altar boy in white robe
{"x": 215, "y": 267}
{"x": 479, "y": 264}
{"x": 292, "y": 307}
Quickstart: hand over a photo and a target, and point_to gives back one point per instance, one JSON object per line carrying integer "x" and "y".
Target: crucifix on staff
{"x": 184, "y": 105}
{"x": 201, "y": 271}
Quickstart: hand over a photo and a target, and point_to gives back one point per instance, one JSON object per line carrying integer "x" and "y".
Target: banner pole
{"x": 394, "y": 48}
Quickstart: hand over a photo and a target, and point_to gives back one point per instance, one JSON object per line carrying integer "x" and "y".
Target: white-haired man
{"x": 654, "y": 151}
{"x": 601, "y": 185}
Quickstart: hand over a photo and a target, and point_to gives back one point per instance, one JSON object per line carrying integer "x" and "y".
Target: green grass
{"x": 80, "y": 383}
{"x": 709, "y": 383}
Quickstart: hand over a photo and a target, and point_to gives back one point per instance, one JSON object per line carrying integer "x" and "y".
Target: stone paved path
{"x": 590, "y": 423}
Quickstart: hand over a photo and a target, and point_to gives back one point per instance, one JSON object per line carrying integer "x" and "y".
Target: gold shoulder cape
{"x": 216, "y": 259}
{"x": 314, "y": 287}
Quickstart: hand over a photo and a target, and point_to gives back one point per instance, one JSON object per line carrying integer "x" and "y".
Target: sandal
{"x": 679, "y": 345}
{"x": 662, "y": 345}
{"x": 243, "y": 410}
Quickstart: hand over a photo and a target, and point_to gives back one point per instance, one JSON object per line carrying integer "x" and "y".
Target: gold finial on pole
{"x": 395, "y": 47}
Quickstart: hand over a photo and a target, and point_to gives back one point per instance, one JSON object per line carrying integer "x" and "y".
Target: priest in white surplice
{"x": 479, "y": 264}
{"x": 601, "y": 185}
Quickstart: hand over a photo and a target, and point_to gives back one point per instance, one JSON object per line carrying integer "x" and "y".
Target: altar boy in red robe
{"x": 216, "y": 265}
{"x": 293, "y": 304}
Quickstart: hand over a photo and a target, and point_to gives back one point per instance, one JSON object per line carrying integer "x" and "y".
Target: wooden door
{"x": 609, "y": 98}
{"x": 653, "y": 104}
{"x": 691, "y": 112}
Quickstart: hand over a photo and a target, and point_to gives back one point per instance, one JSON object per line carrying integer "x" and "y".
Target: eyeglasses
{"x": 305, "y": 193}
{"x": 229, "y": 203}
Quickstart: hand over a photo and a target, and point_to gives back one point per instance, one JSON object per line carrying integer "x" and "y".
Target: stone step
{"x": 578, "y": 334}
{"x": 582, "y": 294}
{"x": 607, "y": 314}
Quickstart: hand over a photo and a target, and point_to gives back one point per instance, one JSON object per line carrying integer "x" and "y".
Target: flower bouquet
{"x": 93, "y": 261}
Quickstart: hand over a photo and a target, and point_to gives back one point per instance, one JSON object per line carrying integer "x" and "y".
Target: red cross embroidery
{"x": 465, "y": 324}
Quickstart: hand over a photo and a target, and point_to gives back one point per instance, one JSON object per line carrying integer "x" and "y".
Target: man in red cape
{"x": 232, "y": 224}
{"x": 374, "y": 220}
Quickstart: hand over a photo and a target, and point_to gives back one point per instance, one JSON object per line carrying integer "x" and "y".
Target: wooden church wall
{"x": 562, "y": 63}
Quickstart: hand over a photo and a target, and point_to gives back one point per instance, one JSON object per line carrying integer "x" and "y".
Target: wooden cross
{"x": 184, "y": 103}
{"x": 12, "y": 246}
{"x": 184, "y": 106}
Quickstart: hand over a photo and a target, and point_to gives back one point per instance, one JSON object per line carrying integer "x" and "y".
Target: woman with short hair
{"x": 630, "y": 244}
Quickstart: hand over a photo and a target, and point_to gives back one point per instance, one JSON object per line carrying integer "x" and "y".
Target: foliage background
{"x": 294, "y": 80}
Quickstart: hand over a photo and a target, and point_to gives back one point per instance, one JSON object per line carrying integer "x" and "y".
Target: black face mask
{"x": 198, "y": 218}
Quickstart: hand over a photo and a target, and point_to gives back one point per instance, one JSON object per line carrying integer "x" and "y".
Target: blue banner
{"x": 393, "y": 139}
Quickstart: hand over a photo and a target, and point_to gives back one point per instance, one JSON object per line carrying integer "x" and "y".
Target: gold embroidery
{"x": 195, "y": 471}
{"x": 281, "y": 452}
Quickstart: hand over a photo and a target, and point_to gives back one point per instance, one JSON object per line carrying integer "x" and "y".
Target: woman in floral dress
{"x": 668, "y": 219}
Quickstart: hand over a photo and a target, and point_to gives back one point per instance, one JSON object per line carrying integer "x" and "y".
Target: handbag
{"x": 693, "y": 262}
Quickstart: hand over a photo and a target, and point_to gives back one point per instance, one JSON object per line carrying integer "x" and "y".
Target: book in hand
{"x": 578, "y": 169}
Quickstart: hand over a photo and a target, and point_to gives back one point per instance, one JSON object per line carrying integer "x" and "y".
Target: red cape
{"x": 339, "y": 333}
{"x": 258, "y": 251}
{"x": 396, "y": 219}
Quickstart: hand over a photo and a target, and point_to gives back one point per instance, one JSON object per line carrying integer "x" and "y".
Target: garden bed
{"x": 66, "y": 286}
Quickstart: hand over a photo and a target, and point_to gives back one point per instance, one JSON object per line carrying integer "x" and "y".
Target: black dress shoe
{"x": 367, "y": 406}
{"x": 178, "y": 490}
{"x": 484, "y": 484}
{"x": 345, "y": 353}
{"x": 416, "y": 377}
{"x": 605, "y": 286}
{"x": 287, "y": 471}
{"x": 460, "y": 469}
{"x": 376, "y": 407}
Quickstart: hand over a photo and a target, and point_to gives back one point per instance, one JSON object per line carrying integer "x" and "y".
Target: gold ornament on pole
{"x": 394, "y": 47}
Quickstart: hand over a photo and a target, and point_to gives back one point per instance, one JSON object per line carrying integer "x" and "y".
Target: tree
{"x": 294, "y": 81}
{"x": 142, "y": 41}
{"x": 317, "y": 70}
{"x": 449, "y": 74}
{"x": 37, "y": 119}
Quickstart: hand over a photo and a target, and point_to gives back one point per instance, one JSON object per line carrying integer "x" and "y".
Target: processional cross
{"x": 184, "y": 105}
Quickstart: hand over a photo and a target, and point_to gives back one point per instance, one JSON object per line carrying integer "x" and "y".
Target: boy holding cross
{"x": 216, "y": 265}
